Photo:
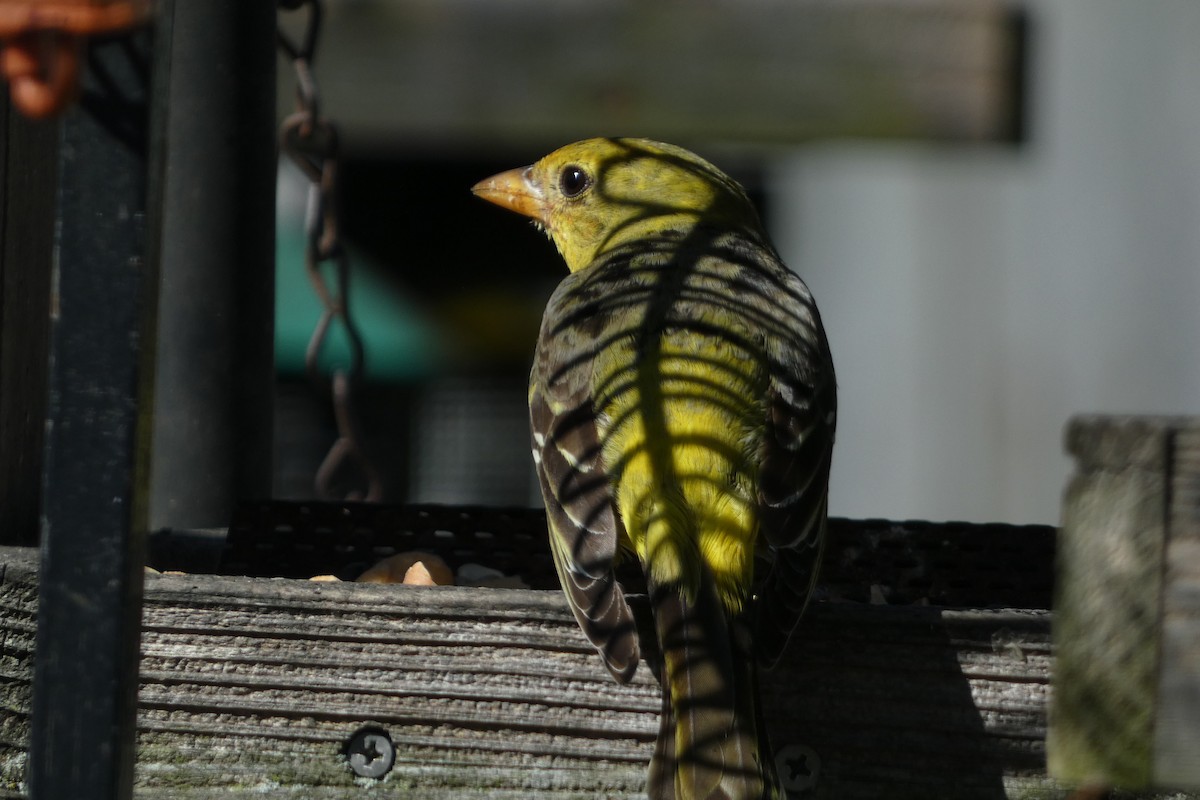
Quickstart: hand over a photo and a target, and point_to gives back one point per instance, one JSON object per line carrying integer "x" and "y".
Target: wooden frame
{"x": 505, "y": 74}
{"x": 253, "y": 687}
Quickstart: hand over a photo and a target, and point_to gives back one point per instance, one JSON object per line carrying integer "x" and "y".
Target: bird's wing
{"x": 794, "y": 468}
{"x": 584, "y": 526}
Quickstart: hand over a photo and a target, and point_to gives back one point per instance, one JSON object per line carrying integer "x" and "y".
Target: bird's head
{"x": 596, "y": 194}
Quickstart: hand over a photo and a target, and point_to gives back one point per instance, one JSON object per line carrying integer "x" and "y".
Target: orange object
{"x": 41, "y": 42}
{"x": 415, "y": 568}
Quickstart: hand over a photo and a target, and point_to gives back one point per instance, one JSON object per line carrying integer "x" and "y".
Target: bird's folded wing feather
{"x": 584, "y": 527}
{"x": 794, "y": 469}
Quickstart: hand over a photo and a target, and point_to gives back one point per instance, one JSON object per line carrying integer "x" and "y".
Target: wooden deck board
{"x": 253, "y": 687}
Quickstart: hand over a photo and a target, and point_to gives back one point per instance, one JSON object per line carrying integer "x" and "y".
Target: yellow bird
{"x": 682, "y": 407}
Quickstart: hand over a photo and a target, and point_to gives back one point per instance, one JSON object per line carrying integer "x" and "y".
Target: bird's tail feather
{"x": 711, "y": 744}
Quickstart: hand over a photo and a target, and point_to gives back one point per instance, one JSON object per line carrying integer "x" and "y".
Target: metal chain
{"x": 311, "y": 142}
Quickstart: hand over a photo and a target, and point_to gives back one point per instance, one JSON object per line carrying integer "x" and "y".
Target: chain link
{"x": 311, "y": 142}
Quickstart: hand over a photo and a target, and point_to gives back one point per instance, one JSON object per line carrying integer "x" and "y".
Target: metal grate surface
{"x": 958, "y": 564}
{"x": 942, "y": 564}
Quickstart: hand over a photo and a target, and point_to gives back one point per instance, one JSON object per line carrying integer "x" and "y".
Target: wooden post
{"x": 1126, "y": 708}
{"x": 503, "y": 74}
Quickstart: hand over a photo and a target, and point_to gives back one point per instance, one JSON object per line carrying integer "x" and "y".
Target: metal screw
{"x": 799, "y": 767}
{"x": 370, "y": 752}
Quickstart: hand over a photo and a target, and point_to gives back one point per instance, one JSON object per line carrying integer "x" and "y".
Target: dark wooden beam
{"x": 775, "y": 71}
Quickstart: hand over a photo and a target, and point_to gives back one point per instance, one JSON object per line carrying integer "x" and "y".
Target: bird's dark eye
{"x": 574, "y": 181}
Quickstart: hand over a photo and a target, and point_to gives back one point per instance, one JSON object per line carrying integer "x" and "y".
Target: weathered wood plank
{"x": 1127, "y": 626}
{"x": 254, "y": 686}
{"x": 1177, "y": 723}
{"x": 474, "y": 72}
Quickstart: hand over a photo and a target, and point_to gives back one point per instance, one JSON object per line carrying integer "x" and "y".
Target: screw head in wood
{"x": 370, "y": 752}
{"x": 798, "y": 767}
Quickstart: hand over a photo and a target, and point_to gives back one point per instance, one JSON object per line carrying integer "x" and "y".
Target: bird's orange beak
{"x": 515, "y": 191}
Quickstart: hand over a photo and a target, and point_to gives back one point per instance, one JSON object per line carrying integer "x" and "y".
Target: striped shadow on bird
{"x": 682, "y": 409}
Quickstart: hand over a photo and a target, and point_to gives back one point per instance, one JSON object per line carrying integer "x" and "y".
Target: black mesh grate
{"x": 299, "y": 540}
{"x": 943, "y": 564}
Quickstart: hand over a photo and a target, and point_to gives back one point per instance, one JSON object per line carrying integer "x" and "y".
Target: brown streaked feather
{"x": 585, "y": 529}
{"x": 708, "y": 677}
{"x": 794, "y": 473}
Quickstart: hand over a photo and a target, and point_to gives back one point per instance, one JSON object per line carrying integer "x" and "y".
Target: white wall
{"x": 977, "y": 298}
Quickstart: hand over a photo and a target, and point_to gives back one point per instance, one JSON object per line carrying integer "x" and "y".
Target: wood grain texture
{"x": 1107, "y": 596}
{"x": 1177, "y": 721}
{"x": 253, "y": 686}
{"x": 467, "y": 71}
{"x": 1127, "y": 621}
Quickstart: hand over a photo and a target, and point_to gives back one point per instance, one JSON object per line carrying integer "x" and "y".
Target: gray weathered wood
{"x": 252, "y": 687}
{"x": 1177, "y": 721}
{"x": 1127, "y": 626}
{"x": 485, "y": 73}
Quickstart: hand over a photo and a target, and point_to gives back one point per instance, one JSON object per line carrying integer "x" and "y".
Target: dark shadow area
{"x": 891, "y": 715}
